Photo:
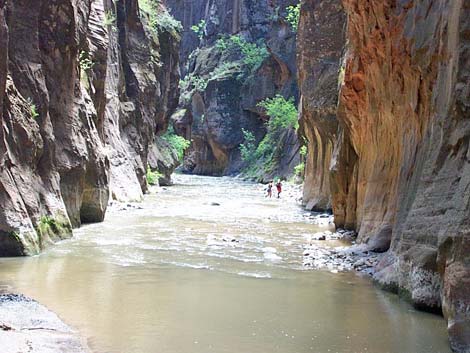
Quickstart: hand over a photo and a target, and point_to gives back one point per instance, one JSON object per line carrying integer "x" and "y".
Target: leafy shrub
{"x": 283, "y": 113}
{"x": 299, "y": 169}
{"x": 293, "y": 16}
{"x": 153, "y": 176}
{"x": 303, "y": 151}
{"x": 191, "y": 84}
{"x": 166, "y": 21}
{"x": 179, "y": 143}
{"x": 32, "y": 108}
{"x": 248, "y": 147}
{"x": 253, "y": 54}
{"x": 199, "y": 83}
{"x": 199, "y": 29}
{"x": 85, "y": 61}
{"x": 50, "y": 225}
{"x": 159, "y": 18}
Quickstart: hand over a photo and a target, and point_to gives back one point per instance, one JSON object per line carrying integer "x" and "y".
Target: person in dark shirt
{"x": 270, "y": 189}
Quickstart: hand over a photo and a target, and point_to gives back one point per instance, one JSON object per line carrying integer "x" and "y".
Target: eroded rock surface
{"x": 399, "y": 171}
{"x": 85, "y": 86}
{"x": 321, "y": 40}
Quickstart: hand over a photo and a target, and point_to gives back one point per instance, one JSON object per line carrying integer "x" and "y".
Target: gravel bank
{"x": 338, "y": 252}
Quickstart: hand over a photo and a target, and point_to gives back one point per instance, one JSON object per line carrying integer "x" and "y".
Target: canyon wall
{"x": 220, "y": 92}
{"x": 394, "y": 164}
{"x": 320, "y": 44}
{"x": 85, "y": 87}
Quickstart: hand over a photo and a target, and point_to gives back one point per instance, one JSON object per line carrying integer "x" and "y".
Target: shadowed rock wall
{"x": 73, "y": 135}
{"x": 214, "y": 116}
{"x": 320, "y": 44}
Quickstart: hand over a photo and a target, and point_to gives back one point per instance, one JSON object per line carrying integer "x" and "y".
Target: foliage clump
{"x": 159, "y": 18}
{"x": 85, "y": 62}
{"x": 153, "y": 176}
{"x": 192, "y": 84}
{"x": 248, "y": 147}
{"x": 178, "y": 143}
{"x": 299, "y": 170}
{"x": 49, "y": 226}
{"x": 253, "y": 54}
{"x": 293, "y": 16}
{"x": 32, "y": 108}
{"x": 199, "y": 29}
{"x": 282, "y": 112}
{"x": 283, "y": 115}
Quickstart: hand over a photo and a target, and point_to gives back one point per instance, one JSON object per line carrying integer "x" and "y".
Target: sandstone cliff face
{"x": 214, "y": 115}
{"x": 320, "y": 44}
{"x": 399, "y": 170}
{"x": 71, "y": 134}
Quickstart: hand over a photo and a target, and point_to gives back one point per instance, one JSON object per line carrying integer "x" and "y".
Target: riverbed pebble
{"x": 318, "y": 255}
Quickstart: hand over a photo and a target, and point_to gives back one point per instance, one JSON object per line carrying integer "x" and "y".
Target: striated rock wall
{"x": 76, "y": 132}
{"x": 320, "y": 43}
{"x": 396, "y": 166}
{"x": 429, "y": 256}
{"x": 214, "y": 115}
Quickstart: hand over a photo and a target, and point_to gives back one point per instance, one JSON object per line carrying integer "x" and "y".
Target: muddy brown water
{"x": 184, "y": 275}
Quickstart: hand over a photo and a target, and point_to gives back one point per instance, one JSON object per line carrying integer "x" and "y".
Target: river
{"x": 210, "y": 265}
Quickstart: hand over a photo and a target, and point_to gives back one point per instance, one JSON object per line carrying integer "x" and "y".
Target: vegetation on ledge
{"x": 262, "y": 157}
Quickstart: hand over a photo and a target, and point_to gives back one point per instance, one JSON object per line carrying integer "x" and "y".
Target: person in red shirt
{"x": 279, "y": 188}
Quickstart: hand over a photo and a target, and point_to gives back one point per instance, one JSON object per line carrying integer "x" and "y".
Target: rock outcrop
{"x": 85, "y": 86}
{"x": 399, "y": 171}
{"x": 220, "y": 91}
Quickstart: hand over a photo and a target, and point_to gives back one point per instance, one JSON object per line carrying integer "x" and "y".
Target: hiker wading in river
{"x": 270, "y": 190}
{"x": 279, "y": 188}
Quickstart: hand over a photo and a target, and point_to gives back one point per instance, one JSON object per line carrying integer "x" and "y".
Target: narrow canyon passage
{"x": 210, "y": 265}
